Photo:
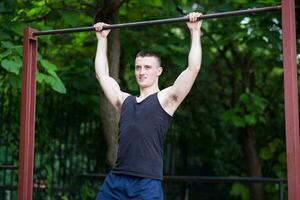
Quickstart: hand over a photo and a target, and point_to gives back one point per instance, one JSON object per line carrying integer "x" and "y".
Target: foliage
{"x": 240, "y": 190}
{"x": 240, "y": 85}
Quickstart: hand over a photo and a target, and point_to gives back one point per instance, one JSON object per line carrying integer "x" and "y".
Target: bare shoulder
{"x": 124, "y": 96}
{"x": 121, "y": 100}
{"x": 164, "y": 94}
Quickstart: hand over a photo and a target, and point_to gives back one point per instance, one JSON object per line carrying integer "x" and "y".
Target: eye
{"x": 137, "y": 67}
{"x": 148, "y": 67}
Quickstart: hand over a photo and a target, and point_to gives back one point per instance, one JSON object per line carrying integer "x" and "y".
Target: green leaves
{"x": 240, "y": 190}
{"x": 275, "y": 151}
{"x": 11, "y": 61}
{"x": 12, "y": 66}
{"x": 51, "y": 78}
{"x": 10, "y": 58}
{"x": 265, "y": 154}
{"x": 249, "y": 111}
{"x": 7, "y": 44}
{"x": 18, "y": 28}
{"x": 71, "y": 18}
{"x": 50, "y": 68}
{"x": 231, "y": 48}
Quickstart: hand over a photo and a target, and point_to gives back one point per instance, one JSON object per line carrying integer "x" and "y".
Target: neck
{"x": 144, "y": 92}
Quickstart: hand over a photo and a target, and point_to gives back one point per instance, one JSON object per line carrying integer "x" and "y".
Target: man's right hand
{"x": 99, "y": 30}
{"x": 194, "y": 24}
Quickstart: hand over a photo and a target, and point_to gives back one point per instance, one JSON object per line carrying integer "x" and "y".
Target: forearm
{"x": 101, "y": 64}
{"x": 195, "y": 54}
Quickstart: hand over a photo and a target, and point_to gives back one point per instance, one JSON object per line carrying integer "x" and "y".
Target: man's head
{"x": 147, "y": 68}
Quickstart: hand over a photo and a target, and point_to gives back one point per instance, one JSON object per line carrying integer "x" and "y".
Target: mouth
{"x": 141, "y": 78}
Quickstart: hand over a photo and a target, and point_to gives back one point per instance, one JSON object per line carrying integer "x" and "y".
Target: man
{"x": 145, "y": 119}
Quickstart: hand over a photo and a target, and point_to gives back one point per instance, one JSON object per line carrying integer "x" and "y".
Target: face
{"x": 147, "y": 71}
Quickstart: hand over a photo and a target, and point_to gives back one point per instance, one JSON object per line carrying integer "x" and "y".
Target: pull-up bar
{"x": 27, "y": 121}
{"x": 161, "y": 21}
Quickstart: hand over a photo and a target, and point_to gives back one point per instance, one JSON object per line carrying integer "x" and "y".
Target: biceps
{"x": 184, "y": 83}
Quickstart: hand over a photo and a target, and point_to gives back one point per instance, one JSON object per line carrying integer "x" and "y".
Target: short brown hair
{"x": 147, "y": 53}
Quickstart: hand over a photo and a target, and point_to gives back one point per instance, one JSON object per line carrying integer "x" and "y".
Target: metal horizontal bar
{"x": 8, "y": 167}
{"x": 208, "y": 179}
{"x": 161, "y": 21}
{"x": 225, "y": 179}
{"x": 36, "y": 187}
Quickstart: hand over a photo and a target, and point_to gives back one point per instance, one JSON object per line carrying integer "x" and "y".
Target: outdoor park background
{"x": 231, "y": 123}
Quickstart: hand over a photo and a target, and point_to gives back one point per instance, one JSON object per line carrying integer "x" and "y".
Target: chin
{"x": 144, "y": 85}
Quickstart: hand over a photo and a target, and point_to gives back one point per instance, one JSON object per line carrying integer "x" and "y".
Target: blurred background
{"x": 230, "y": 125}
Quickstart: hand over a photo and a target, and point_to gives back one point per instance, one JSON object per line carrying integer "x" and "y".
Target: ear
{"x": 159, "y": 71}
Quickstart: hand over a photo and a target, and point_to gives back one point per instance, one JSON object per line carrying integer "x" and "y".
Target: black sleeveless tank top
{"x": 142, "y": 130}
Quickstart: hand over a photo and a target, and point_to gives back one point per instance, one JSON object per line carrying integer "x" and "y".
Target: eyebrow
{"x": 144, "y": 65}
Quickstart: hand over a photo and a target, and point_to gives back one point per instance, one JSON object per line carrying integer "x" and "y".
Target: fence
{"x": 176, "y": 187}
{"x": 188, "y": 181}
{"x": 64, "y": 125}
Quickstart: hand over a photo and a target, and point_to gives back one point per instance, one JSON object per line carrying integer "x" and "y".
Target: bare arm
{"x": 110, "y": 86}
{"x": 172, "y": 96}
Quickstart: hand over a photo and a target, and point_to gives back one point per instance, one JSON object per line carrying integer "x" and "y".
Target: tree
{"x": 108, "y": 12}
{"x": 232, "y": 122}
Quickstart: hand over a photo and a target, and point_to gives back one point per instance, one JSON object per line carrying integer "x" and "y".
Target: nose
{"x": 142, "y": 70}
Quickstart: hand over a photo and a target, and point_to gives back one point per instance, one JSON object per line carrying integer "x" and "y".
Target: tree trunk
{"x": 109, "y": 116}
{"x": 246, "y": 134}
{"x": 253, "y": 166}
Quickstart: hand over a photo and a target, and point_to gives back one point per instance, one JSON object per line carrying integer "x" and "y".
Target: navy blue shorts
{"x": 122, "y": 187}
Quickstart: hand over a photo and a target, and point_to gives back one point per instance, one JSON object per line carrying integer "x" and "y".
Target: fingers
{"x": 99, "y": 26}
{"x": 193, "y": 16}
